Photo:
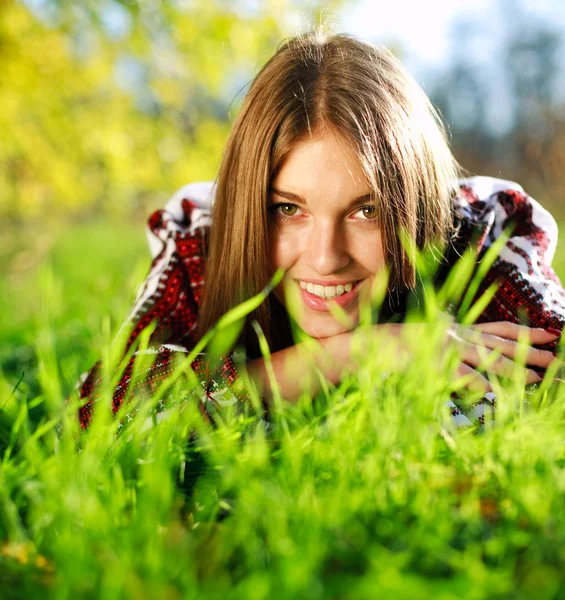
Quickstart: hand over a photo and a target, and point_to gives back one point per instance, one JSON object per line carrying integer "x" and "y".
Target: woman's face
{"x": 324, "y": 233}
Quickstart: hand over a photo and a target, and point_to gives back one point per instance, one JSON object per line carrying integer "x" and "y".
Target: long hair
{"x": 316, "y": 82}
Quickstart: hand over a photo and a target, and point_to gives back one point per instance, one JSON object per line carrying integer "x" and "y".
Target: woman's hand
{"x": 491, "y": 348}
{"x": 295, "y": 369}
{"x": 510, "y": 341}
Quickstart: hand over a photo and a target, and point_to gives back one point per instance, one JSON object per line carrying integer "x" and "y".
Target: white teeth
{"x": 328, "y": 291}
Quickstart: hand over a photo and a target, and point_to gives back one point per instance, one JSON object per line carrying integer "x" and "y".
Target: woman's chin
{"x": 327, "y": 327}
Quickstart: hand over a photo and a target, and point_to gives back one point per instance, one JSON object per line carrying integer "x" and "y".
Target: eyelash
{"x": 274, "y": 208}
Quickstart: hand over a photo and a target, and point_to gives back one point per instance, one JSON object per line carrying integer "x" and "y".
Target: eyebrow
{"x": 297, "y": 199}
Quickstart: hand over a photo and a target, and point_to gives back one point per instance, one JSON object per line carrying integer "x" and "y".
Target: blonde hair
{"x": 336, "y": 82}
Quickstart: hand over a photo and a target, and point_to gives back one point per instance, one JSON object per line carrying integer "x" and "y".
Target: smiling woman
{"x": 325, "y": 232}
{"x": 335, "y": 162}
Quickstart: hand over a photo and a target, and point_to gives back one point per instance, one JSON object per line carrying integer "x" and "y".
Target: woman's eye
{"x": 288, "y": 210}
{"x": 369, "y": 211}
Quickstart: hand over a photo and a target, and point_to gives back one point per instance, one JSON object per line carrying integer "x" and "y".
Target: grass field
{"x": 367, "y": 492}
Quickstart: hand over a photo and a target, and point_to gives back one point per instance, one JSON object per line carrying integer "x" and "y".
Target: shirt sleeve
{"x": 169, "y": 298}
{"x": 529, "y": 291}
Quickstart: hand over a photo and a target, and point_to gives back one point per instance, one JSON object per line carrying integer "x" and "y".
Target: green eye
{"x": 288, "y": 210}
{"x": 369, "y": 212}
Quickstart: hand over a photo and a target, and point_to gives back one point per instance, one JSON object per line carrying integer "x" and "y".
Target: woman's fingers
{"x": 473, "y": 379}
{"x": 495, "y": 363}
{"x": 510, "y": 348}
{"x": 513, "y": 331}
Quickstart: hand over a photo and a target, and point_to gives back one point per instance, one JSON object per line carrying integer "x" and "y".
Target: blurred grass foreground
{"x": 366, "y": 491}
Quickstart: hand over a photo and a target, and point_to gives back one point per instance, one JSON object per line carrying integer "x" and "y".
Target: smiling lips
{"x": 316, "y": 297}
{"x": 326, "y": 291}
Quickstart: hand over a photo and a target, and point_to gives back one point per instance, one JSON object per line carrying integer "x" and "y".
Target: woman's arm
{"x": 297, "y": 369}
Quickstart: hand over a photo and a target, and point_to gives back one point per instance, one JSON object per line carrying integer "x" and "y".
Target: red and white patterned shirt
{"x": 529, "y": 290}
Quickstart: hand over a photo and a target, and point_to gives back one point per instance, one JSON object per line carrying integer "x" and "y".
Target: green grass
{"x": 367, "y": 492}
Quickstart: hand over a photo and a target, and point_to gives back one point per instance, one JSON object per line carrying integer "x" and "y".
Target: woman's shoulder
{"x": 527, "y": 288}
{"x": 178, "y": 237}
{"x": 483, "y": 187}
{"x": 490, "y": 199}
{"x": 488, "y": 206}
{"x": 186, "y": 214}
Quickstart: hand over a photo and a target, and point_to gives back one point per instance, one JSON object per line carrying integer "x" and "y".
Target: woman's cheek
{"x": 285, "y": 249}
{"x": 367, "y": 250}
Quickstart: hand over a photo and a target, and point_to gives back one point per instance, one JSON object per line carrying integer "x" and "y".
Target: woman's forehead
{"x": 322, "y": 163}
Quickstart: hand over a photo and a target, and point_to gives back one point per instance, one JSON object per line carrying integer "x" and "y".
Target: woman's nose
{"x": 326, "y": 250}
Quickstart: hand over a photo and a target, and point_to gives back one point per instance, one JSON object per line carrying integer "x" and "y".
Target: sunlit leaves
{"x": 110, "y": 106}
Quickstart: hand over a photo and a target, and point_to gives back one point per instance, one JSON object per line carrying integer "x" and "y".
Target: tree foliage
{"x": 111, "y": 105}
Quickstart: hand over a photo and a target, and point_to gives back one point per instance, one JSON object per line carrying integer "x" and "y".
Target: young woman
{"x": 335, "y": 152}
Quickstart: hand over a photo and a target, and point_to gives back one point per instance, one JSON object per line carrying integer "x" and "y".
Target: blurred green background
{"x": 108, "y": 106}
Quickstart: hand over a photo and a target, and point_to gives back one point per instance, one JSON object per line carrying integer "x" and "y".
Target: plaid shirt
{"x": 170, "y": 296}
